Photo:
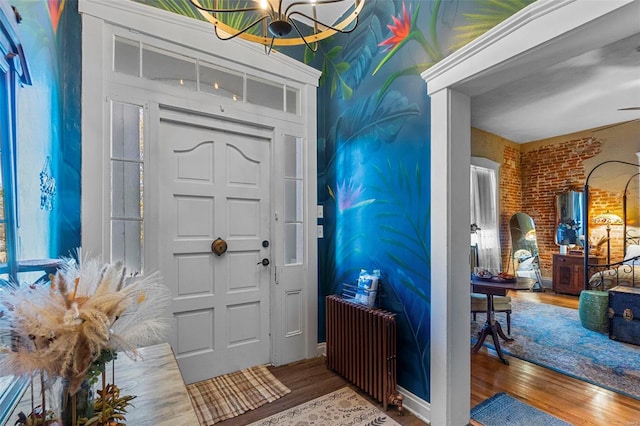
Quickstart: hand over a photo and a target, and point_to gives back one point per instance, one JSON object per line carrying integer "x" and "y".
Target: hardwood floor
{"x": 572, "y": 400}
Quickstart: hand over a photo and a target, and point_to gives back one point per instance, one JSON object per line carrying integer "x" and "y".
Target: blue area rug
{"x": 552, "y": 337}
{"x": 501, "y": 410}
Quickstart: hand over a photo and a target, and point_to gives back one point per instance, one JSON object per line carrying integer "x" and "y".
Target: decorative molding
{"x": 532, "y": 39}
{"x": 486, "y": 163}
{"x": 497, "y": 33}
{"x": 416, "y": 405}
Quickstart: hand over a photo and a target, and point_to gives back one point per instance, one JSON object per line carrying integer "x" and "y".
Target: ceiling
{"x": 579, "y": 93}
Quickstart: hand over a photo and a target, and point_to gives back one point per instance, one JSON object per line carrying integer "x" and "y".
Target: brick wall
{"x": 510, "y": 198}
{"x": 532, "y": 174}
{"x": 547, "y": 171}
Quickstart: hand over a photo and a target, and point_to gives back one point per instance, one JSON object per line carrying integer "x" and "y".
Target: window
{"x": 484, "y": 213}
{"x": 13, "y": 70}
{"x": 293, "y": 201}
{"x": 127, "y": 185}
{"x": 190, "y": 73}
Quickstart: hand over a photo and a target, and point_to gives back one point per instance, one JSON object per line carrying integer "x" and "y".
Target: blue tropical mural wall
{"x": 373, "y": 145}
{"x": 374, "y": 157}
{"x": 48, "y": 130}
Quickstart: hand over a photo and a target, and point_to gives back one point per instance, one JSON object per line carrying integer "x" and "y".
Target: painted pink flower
{"x": 346, "y": 196}
{"x": 55, "y": 8}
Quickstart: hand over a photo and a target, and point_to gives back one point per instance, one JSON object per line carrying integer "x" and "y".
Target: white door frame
{"x": 101, "y": 20}
{"x": 537, "y": 36}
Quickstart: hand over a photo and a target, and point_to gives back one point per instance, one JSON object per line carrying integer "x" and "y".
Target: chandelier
{"x": 272, "y": 23}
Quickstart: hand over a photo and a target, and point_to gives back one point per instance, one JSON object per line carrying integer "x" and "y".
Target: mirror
{"x": 569, "y": 220}
{"x": 524, "y": 244}
{"x": 524, "y": 249}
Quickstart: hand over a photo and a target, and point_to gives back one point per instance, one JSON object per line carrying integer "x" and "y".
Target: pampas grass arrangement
{"x": 61, "y": 328}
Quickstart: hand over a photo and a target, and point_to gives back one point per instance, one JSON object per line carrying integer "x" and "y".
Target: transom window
{"x": 140, "y": 60}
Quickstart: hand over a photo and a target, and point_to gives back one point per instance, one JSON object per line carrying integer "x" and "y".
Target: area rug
{"x": 502, "y": 409}
{"x": 553, "y": 337}
{"x": 343, "y": 407}
{"x": 232, "y": 394}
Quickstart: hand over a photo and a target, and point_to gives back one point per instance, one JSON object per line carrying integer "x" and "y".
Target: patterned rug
{"x": 502, "y": 409}
{"x": 553, "y": 337}
{"x": 343, "y": 407}
{"x": 232, "y": 394}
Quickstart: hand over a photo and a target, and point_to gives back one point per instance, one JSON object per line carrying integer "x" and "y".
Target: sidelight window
{"x": 294, "y": 201}
{"x": 127, "y": 187}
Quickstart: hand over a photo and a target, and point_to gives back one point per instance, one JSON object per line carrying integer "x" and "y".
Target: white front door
{"x": 214, "y": 182}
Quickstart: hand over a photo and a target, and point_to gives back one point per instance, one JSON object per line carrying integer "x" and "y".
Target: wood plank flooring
{"x": 572, "y": 400}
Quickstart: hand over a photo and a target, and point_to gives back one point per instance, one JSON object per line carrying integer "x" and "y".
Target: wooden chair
{"x": 500, "y": 304}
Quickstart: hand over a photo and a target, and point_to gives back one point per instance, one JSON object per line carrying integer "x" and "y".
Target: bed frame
{"x": 615, "y": 272}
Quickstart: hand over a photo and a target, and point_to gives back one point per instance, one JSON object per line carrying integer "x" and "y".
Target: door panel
{"x": 215, "y": 184}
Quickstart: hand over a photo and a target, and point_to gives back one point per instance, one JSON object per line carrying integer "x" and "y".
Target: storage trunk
{"x": 624, "y": 314}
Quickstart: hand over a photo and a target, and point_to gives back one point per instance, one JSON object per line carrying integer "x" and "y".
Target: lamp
{"x": 608, "y": 219}
{"x": 243, "y": 19}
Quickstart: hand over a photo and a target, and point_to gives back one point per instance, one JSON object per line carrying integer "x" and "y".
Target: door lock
{"x": 264, "y": 262}
{"x": 219, "y": 246}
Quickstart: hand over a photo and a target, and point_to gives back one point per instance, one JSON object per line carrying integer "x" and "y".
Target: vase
{"x": 78, "y": 406}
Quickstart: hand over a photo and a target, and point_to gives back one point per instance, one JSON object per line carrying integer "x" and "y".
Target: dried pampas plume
{"x": 62, "y": 327}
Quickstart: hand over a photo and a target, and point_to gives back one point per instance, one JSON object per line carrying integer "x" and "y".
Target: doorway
{"x": 194, "y": 166}
{"x": 215, "y": 183}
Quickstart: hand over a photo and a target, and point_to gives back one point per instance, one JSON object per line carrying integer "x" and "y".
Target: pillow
{"x": 522, "y": 254}
{"x": 527, "y": 265}
{"x": 633, "y": 251}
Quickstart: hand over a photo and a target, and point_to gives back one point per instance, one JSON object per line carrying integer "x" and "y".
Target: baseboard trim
{"x": 416, "y": 405}
{"x": 412, "y": 403}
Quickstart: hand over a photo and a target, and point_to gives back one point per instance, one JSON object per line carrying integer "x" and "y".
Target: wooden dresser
{"x": 568, "y": 272}
{"x": 161, "y": 395}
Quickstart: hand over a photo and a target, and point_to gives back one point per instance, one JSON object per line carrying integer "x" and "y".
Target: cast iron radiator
{"x": 361, "y": 347}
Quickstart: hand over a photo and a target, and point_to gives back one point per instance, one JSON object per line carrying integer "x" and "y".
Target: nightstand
{"x": 568, "y": 272}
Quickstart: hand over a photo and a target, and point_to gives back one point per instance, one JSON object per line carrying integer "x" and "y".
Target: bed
{"x": 625, "y": 272}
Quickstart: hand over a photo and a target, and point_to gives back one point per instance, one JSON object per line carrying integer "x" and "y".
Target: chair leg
{"x": 509, "y": 323}
{"x": 474, "y": 316}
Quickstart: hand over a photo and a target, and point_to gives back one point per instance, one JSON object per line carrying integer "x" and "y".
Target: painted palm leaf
{"x": 375, "y": 121}
{"x": 489, "y": 14}
{"x": 403, "y": 214}
{"x": 362, "y": 44}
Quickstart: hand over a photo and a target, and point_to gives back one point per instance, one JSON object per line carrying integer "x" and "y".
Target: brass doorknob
{"x": 219, "y": 246}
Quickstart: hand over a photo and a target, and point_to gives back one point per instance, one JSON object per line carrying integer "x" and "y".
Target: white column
{"x": 450, "y": 269}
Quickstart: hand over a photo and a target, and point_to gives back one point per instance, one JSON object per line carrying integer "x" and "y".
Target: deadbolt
{"x": 264, "y": 262}
{"x": 265, "y": 244}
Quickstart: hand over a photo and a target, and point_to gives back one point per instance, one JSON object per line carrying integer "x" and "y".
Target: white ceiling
{"x": 579, "y": 93}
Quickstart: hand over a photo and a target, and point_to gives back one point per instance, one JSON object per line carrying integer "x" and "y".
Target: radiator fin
{"x": 361, "y": 347}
